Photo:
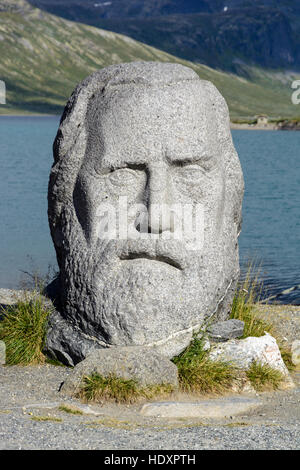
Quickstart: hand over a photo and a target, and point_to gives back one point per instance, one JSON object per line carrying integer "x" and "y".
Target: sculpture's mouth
{"x": 148, "y": 257}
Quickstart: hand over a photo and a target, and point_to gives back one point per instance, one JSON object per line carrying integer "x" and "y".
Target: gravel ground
{"x": 31, "y": 393}
{"x": 285, "y": 318}
{"x": 30, "y": 417}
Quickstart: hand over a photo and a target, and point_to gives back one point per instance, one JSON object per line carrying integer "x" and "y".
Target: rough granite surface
{"x": 225, "y": 330}
{"x": 144, "y": 365}
{"x": 242, "y": 353}
{"x": 158, "y": 136}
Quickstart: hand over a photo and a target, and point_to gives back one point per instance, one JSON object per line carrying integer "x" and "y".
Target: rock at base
{"x": 220, "y": 408}
{"x": 243, "y": 353}
{"x": 145, "y": 365}
{"x": 224, "y": 330}
{"x": 296, "y": 352}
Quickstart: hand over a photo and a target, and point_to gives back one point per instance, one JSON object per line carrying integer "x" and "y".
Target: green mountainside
{"x": 43, "y": 57}
{"x": 212, "y": 32}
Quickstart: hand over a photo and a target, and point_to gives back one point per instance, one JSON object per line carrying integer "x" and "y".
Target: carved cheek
{"x": 221, "y": 204}
{"x": 87, "y": 196}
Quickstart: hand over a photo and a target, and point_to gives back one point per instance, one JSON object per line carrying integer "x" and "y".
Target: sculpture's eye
{"x": 191, "y": 173}
{"x": 123, "y": 177}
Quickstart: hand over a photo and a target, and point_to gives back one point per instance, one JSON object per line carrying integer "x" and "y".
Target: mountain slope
{"x": 43, "y": 57}
{"x": 79, "y": 10}
{"x": 257, "y": 36}
{"x": 214, "y": 32}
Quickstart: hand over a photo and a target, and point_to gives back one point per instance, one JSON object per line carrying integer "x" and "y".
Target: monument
{"x": 145, "y": 199}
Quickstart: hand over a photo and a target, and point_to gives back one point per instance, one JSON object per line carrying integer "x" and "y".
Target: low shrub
{"x": 23, "y": 329}
{"x": 247, "y": 298}
{"x": 200, "y": 375}
{"x": 112, "y": 388}
{"x": 263, "y": 377}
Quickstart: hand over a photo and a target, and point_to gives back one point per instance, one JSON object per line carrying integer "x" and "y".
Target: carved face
{"x": 151, "y": 157}
{"x": 148, "y": 151}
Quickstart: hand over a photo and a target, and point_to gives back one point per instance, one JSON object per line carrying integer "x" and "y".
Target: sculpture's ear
{"x": 234, "y": 174}
{"x": 220, "y": 109}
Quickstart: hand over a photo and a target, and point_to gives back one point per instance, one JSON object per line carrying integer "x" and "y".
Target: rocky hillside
{"x": 219, "y": 33}
{"x": 43, "y": 57}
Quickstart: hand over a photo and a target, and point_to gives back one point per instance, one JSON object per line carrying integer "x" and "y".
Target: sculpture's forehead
{"x": 135, "y": 124}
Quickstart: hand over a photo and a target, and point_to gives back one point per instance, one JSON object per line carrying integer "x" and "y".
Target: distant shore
{"x": 288, "y": 125}
{"x": 254, "y": 127}
{"x": 29, "y": 115}
{"x": 281, "y": 126}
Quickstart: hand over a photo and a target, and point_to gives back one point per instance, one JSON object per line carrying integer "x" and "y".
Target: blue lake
{"x": 271, "y": 210}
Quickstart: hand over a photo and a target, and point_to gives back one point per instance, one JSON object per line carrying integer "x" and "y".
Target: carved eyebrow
{"x": 188, "y": 160}
{"x": 108, "y": 167}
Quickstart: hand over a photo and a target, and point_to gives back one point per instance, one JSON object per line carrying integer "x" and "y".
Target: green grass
{"x": 23, "y": 330}
{"x": 70, "y": 410}
{"x": 246, "y": 299}
{"x": 263, "y": 377}
{"x": 247, "y": 296}
{"x": 200, "y": 375}
{"x": 111, "y": 388}
{"x": 46, "y": 418}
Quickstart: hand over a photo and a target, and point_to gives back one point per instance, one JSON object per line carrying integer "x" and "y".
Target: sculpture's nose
{"x": 159, "y": 198}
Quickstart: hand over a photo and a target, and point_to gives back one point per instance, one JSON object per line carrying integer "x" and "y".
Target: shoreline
{"x": 288, "y": 125}
{"x": 254, "y": 127}
{"x": 29, "y": 115}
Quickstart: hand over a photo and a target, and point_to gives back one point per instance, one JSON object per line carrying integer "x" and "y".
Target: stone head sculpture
{"x": 143, "y": 149}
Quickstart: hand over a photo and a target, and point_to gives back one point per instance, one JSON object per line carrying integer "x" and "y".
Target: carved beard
{"x": 123, "y": 302}
{"x": 136, "y": 302}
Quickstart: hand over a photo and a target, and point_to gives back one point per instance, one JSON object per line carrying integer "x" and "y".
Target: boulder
{"x": 145, "y": 365}
{"x": 242, "y": 353}
{"x": 296, "y": 352}
{"x": 216, "y": 409}
{"x": 224, "y": 330}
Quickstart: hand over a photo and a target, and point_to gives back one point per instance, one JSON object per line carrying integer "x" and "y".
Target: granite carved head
{"x": 144, "y": 149}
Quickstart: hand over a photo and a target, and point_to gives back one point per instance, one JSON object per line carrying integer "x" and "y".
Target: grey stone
{"x": 145, "y": 365}
{"x": 11, "y": 296}
{"x": 220, "y": 408}
{"x": 2, "y": 353}
{"x": 158, "y": 136}
{"x": 66, "y": 344}
{"x": 295, "y": 345}
{"x": 225, "y": 330}
{"x": 296, "y": 352}
{"x": 296, "y": 357}
{"x": 243, "y": 353}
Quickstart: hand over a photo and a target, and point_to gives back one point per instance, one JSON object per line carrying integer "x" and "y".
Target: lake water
{"x": 271, "y": 210}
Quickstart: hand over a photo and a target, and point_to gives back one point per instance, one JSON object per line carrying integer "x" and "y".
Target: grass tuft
{"x": 200, "y": 375}
{"x": 264, "y": 377}
{"x": 247, "y": 296}
{"x": 23, "y": 330}
{"x": 111, "y": 388}
{"x": 46, "y": 418}
{"x": 70, "y": 409}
